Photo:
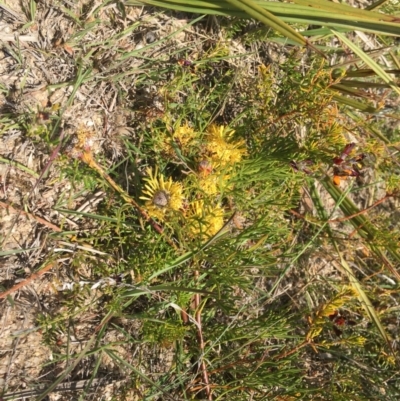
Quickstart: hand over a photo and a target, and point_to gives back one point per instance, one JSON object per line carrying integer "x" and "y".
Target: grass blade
{"x": 345, "y": 10}
{"x": 366, "y": 303}
{"x": 369, "y": 61}
{"x": 341, "y": 17}
{"x": 362, "y": 296}
{"x": 15, "y": 251}
{"x": 255, "y": 11}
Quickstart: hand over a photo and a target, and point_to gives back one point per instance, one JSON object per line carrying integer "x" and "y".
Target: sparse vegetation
{"x": 196, "y": 207}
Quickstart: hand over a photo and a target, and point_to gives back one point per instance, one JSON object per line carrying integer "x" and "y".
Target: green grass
{"x": 233, "y": 296}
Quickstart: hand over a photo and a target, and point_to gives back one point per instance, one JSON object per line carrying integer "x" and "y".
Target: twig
{"x": 201, "y": 341}
{"x": 37, "y": 218}
{"x": 100, "y": 326}
{"x": 27, "y": 281}
{"x": 11, "y": 37}
{"x": 293, "y": 350}
{"x": 361, "y": 211}
{"x": 13, "y": 13}
{"x": 339, "y": 220}
{"x": 53, "y": 156}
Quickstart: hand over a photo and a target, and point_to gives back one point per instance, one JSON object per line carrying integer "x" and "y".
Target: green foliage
{"x": 216, "y": 166}
{"x": 287, "y": 114}
{"x": 163, "y": 332}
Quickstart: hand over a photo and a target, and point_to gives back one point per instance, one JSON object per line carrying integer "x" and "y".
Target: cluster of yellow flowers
{"x": 205, "y": 220}
{"x": 222, "y": 150}
{"x": 198, "y": 202}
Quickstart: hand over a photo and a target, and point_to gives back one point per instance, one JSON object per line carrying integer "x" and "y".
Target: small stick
{"x": 11, "y": 37}
{"x": 13, "y": 13}
{"x": 201, "y": 341}
{"x": 27, "y": 281}
{"x": 293, "y": 350}
{"x": 37, "y": 218}
{"x": 338, "y": 220}
{"x": 52, "y": 157}
{"x": 361, "y": 211}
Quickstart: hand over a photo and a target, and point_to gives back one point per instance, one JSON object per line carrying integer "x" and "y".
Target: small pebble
{"x": 150, "y": 37}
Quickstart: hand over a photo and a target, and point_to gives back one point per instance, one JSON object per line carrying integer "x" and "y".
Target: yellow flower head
{"x": 221, "y": 149}
{"x": 161, "y": 195}
{"x": 209, "y": 184}
{"x": 82, "y": 142}
{"x": 184, "y": 135}
{"x": 210, "y": 179}
{"x": 205, "y": 220}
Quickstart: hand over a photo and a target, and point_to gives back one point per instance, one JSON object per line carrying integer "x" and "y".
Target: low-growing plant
{"x": 235, "y": 238}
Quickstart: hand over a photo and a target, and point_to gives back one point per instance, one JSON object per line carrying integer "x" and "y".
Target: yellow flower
{"x": 182, "y": 138}
{"x": 223, "y": 151}
{"x": 209, "y": 184}
{"x": 161, "y": 195}
{"x": 81, "y": 142}
{"x": 358, "y": 341}
{"x": 205, "y": 220}
{"x": 184, "y": 135}
{"x": 210, "y": 179}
